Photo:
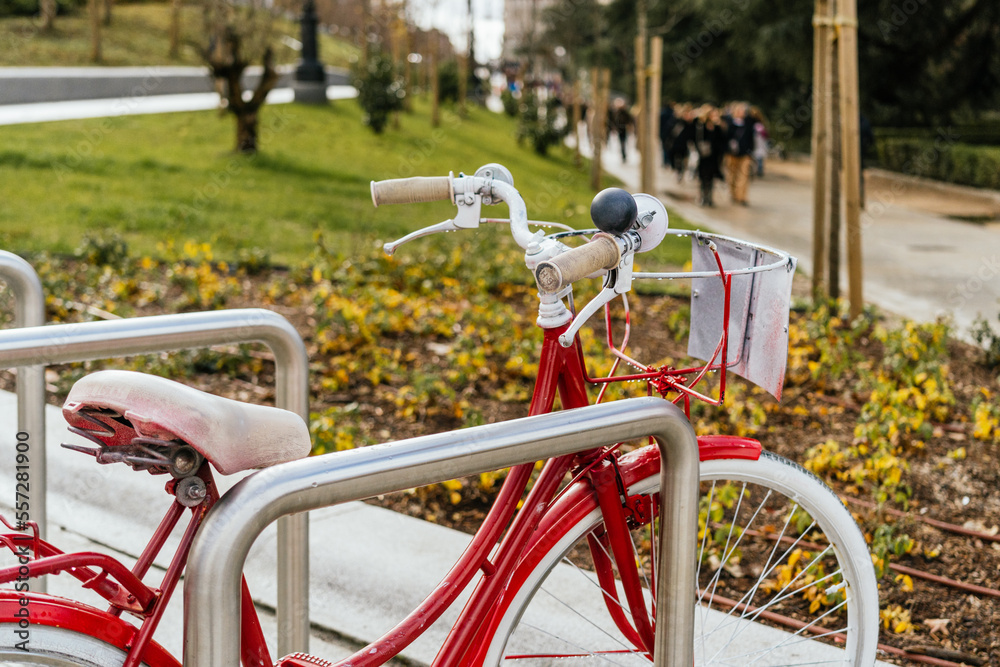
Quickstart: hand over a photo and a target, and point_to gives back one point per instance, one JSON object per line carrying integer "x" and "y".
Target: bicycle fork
{"x": 613, "y": 500}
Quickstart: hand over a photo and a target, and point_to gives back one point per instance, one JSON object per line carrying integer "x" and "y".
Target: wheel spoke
{"x": 765, "y": 577}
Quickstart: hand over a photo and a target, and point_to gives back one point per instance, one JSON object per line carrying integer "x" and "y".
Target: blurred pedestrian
{"x": 710, "y": 142}
{"x": 740, "y": 158}
{"x": 667, "y": 120}
{"x": 682, "y": 133}
{"x": 620, "y": 120}
{"x": 761, "y": 140}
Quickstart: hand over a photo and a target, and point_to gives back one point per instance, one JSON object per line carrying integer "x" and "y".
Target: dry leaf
{"x": 936, "y": 625}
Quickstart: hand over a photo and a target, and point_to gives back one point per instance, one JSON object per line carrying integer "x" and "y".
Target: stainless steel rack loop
{"x": 212, "y": 588}
{"x": 64, "y": 343}
{"x": 29, "y": 311}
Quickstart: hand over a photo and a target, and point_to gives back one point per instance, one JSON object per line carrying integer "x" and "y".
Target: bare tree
{"x": 239, "y": 35}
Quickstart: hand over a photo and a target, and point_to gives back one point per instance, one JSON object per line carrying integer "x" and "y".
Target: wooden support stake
{"x": 820, "y": 146}
{"x": 847, "y": 22}
{"x": 602, "y": 88}
{"x": 598, "y": 120}
{"x": 640, "y": 103}
{"x": 435, "y": 90}
{"x": 463, "y": 84}
{"x": 834, "y": 208}
{"x": 577, "y": 160}
{"x": 650, "y": 156}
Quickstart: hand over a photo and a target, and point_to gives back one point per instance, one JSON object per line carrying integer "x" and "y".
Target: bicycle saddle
{"x": 234, "y": 436}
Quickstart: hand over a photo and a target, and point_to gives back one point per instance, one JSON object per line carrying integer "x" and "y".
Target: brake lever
{"x": 469, "y": 210}
{"x": 618, "y": 281}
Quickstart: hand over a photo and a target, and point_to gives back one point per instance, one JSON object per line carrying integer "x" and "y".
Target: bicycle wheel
{"x": 775, "y": 543}
{"x": 57, "y": 647}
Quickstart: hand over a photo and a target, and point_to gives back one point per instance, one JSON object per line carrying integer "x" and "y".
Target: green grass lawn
{"x": 138, "y": 36}
{"x": 174, "y": 176}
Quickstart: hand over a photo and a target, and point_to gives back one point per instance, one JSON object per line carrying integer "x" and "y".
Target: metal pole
{"x": 212, "y": 632}
{"x": 310, "y": 75}
{"x": 63, "y": 343}
{"x": 29, "y": 311}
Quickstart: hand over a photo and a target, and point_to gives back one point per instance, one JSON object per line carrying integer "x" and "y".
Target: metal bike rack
{"x": 29, "y": 311}
{"x": 64, "y": 343}
{"x": 212, "y": 588}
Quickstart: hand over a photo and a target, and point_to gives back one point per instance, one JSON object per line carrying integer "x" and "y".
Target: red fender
{"x": 64, "y": 613}
{"x": 711, "y": 447}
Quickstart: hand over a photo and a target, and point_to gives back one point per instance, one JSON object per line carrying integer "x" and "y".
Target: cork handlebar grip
{"x": 411, "y": 190}
{"x": 601, "y": 253}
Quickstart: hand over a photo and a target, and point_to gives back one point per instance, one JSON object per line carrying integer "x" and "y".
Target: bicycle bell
{"x": 615, "y": 211}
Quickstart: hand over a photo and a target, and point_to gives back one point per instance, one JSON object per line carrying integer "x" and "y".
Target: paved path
{"x": 45, "y": 94}
{"x": 32, "y": 85}
{"x": 919, "y": 261}
{"x": 43, "y": 112}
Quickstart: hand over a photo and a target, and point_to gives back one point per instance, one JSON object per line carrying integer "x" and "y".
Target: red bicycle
{"x": 564, "y": 577}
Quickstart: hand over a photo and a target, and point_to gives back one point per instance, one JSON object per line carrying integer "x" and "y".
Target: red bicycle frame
{"x": 561, "y": 372}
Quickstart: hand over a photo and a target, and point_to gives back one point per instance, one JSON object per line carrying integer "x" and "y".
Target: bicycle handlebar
{"x": 467, "y": 192}
{"x": 603, "y": 252}
{"x": 412, "y": 190}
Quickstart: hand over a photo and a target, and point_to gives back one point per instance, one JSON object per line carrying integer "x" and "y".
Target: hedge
{"x": 978, "y": 166}
{"x": 982, "y": 133}
{"x": 31, "y": 7}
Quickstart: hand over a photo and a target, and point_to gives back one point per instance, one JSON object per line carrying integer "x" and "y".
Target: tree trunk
{"x": 95, "y": 31}
{"x": 366, "y": 19}
{"x": 106, "y": 19}
{"x": 230, "y": 68}
{"x": 48, "y": 10}
{"x": 175, "y": 28}
{"x": 246, "y": 132}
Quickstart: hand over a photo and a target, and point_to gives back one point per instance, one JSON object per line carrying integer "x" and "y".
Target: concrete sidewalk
{"x": 922, "y": 258}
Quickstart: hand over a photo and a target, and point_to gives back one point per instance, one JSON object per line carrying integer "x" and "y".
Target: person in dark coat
{"x": 682, "y": 136}
{"x": 667, "y": 121}
{"x": 740, "y": 160}
{"x": 709, "y": 138}
{"x": 619, "y": 121}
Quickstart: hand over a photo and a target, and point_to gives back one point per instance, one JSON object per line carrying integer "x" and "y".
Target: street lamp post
{"x": 310, "y": 77}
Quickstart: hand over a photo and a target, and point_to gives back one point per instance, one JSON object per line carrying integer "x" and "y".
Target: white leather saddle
{"x": 234, "y": 436}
